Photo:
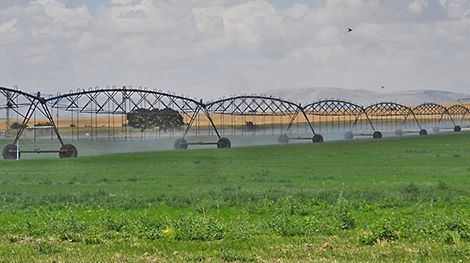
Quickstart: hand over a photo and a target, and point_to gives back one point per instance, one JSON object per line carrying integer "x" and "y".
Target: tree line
{"x": 164, "y": 119}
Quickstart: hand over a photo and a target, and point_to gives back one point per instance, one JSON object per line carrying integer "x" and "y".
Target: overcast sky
{"x": 213, "y": 48}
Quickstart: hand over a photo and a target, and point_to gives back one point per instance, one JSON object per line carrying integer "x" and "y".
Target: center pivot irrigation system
{"x": 103, "y": 113}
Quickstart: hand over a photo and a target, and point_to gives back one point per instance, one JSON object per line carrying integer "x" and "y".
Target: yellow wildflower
{"x": 167, "y": 232}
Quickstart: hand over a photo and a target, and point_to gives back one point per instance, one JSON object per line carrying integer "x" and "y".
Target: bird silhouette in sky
{"x": 383, "y": 87}
{"x": 349, "y": 29}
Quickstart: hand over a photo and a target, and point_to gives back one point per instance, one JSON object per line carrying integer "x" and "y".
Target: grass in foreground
{"x": 400, "y": 199}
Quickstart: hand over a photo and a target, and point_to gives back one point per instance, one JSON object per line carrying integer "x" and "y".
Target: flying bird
{"x": 383, "y": 87}
{"x": 349, "y": 29}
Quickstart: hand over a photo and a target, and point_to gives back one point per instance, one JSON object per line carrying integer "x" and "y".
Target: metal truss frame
{"x": 391, "y": 109}
{"x": 32, "y": 103}
{"x": 121, "y": 101}
{"x": 124, "y": 100}
{"x": 458, "y": 111}
{"x": 258, "y": 105}
{"x": 430, "y": 109}
{"x": 333, "y": 107}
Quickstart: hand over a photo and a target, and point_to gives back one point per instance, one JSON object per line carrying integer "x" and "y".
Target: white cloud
{"x": 417, "y": 6}
{"x": 76, "y": 17}
{"x": 8, "y": 26}
{"x": 455, "y": 8}
{"x": 215, "y": 48}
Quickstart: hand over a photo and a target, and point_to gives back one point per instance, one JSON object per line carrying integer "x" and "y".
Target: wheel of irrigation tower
{"x": 398, "y": 132}
{"x": 68, "y": 151}
{"x": 181, "y": 144}
{"x": 349, "y": 135}
{"x": 317, "y": 138}
{"x": 435, "y": 129}
{"x": 377, "y": 135}
{"x": 10, "y": 152}
{"x": 457, "y": 128}
{"x": 224, "y": 143}
{"x": 423, "y": 132}
{"x": 283, "y": 139}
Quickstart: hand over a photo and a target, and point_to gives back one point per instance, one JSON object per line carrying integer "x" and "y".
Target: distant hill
{"x": 367, "y": 97}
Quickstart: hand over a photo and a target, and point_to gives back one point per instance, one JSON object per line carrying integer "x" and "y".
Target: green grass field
{"x": 392, "y": 200}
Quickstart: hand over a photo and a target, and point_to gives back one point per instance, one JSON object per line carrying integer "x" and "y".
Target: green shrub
{"x": 45, "y": 247}
{"x": 385, "y": 229}
{"x": 342, "y": 215}
{"x": 195, "y": 227}
{"x": 17, "y": 126}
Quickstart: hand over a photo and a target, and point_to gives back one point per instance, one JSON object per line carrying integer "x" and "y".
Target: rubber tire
{"x": 283, "y": 139}
{"x": 377, "y": 135}
{"x": 9, "y": 152}
{"x": 71, "y": 151}
{"x": 423, "y": 132}
{"x": 435, "y": 129}
{"x": 457, "y": 128}
{"x": 349, "y": 135}
{"x": 317, "y": 138}
{"x": 224, "y": 143}
{"x": 398, "y": 132}
{"x": 181, "y": 144}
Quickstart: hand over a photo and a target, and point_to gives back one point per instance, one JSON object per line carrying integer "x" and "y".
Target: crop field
{"x": 392, "y": 200}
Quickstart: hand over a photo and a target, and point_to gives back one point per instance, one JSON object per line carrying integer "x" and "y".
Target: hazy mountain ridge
{"x": 367, "y": 97}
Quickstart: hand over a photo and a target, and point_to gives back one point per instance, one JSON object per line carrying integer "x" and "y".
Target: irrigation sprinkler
{"x": 139, "y": 109}
{"x": 110, "y": 113}
{"x": 438, "y": 117}
{"x": 252, "y": 115}
{"x": 338, "y": 116}
{"x": 393, "y": 117}
{"x": 18, "y": 101}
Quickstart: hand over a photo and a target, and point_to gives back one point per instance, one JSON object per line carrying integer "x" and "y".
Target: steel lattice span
{"x": 106, "y": 112}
